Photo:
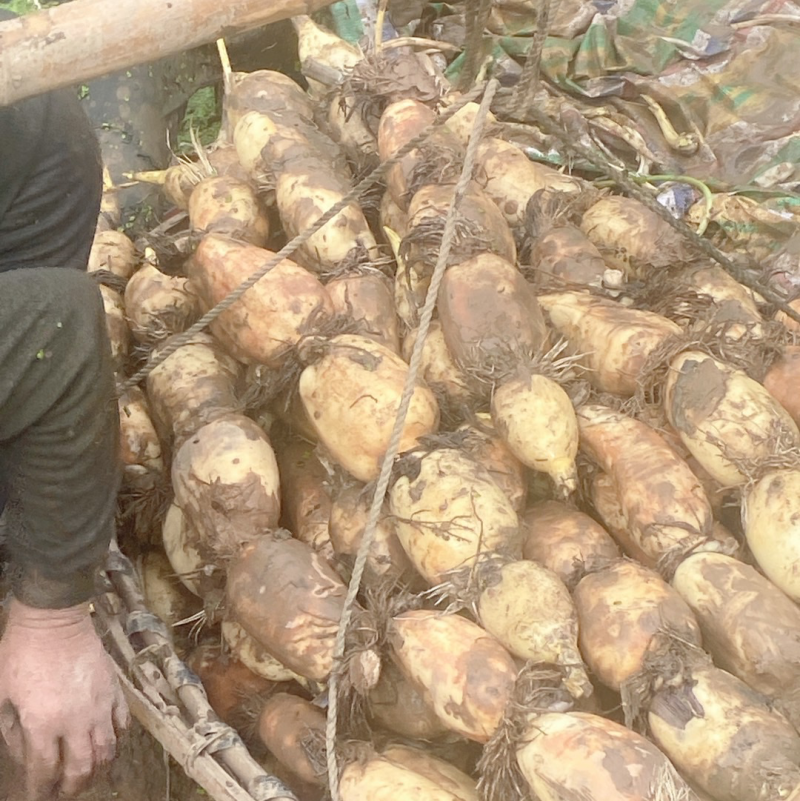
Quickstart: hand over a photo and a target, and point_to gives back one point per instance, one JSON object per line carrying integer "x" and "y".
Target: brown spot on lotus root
{"x": 776, "y": 486}
{"x": 622, "y": 772}
{"x": 698, "y": 391}
{"x": 677, "y": 706}
{"x": 487, "y": 688}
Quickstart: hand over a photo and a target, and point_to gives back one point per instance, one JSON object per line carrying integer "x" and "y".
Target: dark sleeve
{"x": 50, "y": 181}
{"x": 20, "y": 130}
{"x": 59, "y": 433}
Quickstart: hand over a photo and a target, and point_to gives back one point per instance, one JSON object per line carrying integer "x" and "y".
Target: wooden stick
{"x": 173, "y": 734}
{"x": 84, "y": 39}
{"x": 253, "y": 783}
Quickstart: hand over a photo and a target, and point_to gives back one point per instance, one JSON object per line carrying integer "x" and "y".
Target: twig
{"x": 379, "y": 22}
{"x": 225, "y": 61}
{"x": 421, "y": 43}
{"x": 767, "y": 19}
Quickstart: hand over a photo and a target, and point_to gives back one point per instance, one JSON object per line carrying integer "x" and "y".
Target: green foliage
{"x": 22, "y": 7}
{"x": 203, "y": 114}
{"x": 19, "y": 7}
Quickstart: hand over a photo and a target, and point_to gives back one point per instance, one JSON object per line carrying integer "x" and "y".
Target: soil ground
{"x": 141, "y": 772}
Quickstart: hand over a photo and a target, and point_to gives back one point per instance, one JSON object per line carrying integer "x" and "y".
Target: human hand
{"x": 61, "y": 706}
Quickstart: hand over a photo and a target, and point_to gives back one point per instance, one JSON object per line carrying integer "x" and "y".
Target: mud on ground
{"x": 141, "y": 772}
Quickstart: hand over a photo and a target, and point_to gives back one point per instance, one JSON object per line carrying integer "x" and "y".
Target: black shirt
{"x": 59, "y": 431}
{"x": 50, "y": 181}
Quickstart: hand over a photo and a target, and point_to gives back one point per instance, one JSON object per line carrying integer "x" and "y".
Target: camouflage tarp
{"x": 723, "y": 76}
{"x": 736, "y": 83}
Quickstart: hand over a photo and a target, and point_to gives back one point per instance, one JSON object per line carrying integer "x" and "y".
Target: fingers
{"x": 104, "y": 746}
{"x": 11, "y": 732}
{"x": 70, "y": 768}
{"x": 86, "y": 751}
{"x": 60, "y": 725}
{"x": 38, "y": 755}
{"x": 121, "y": 715}
{"x": 78, "y": 763}
{"x": 42, "y": 764}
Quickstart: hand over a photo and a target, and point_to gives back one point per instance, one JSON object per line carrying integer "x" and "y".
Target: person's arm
{"x": 50, "y": 181}
{"x": 60, "y": 703}
{"x": 58, "y": 420}
{"x": 59, "y": 431}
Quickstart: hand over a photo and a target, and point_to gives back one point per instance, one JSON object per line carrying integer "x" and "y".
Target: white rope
{"x": 394, "y": 442}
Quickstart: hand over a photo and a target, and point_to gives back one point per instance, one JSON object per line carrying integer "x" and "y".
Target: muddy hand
{"x": 61, "y": 706}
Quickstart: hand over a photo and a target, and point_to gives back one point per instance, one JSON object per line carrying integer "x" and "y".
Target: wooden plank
{"x": 84, "y": 39}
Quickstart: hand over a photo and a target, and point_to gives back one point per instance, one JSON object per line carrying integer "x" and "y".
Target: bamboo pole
{"x": 174, "y": 736}
{"x": 163, "y": 679}
{"x": 84, "y": 39}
